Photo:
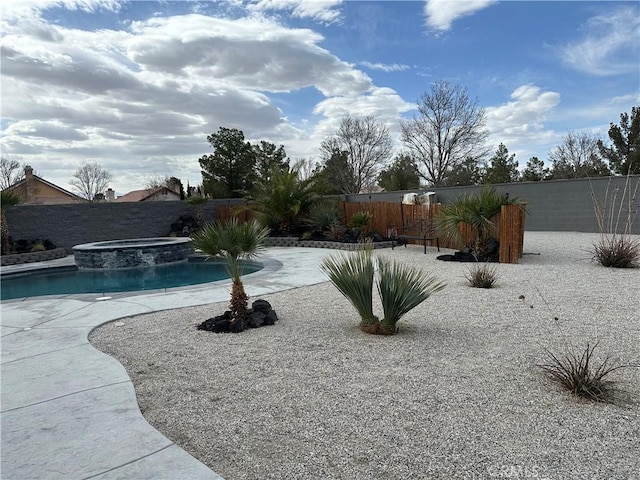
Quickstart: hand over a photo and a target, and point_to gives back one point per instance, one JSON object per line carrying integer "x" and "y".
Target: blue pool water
{"x": 71, "y": 280}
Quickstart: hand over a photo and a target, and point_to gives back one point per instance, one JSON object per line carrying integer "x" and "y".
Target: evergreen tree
{"x": 535, "y": 171}
{"x": 502, "y": 167}
{"x": 624, "y": 153}
{"x": 230, "y": 169}
{"x": 269, "y": 158}
{"x": 402, "y": 174}
{"x": 467, "y": 172}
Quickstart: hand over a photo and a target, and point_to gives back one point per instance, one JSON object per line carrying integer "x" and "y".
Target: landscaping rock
{"x": 261, "y": 313}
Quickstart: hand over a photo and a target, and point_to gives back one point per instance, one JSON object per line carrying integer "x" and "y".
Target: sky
{"x": 137, "y": 86}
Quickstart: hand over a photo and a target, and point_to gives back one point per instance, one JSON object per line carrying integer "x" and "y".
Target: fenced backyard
{"x": 509, "y": 224}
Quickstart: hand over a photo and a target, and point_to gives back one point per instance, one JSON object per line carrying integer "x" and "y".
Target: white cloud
{"x": 521, "y": 121}
{"x": 440, "y": 14}
{"x": 143, "y": 100}
{"x": 610, "y": 46}
{"x": 320, "y": 10}
{"x": 385, "y": 67}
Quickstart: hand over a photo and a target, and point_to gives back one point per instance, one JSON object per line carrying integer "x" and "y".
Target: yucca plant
{"x": 582, "y": 375}
{"x": 352, "y": 274}
{"x": 7, "y": 199}
{"x": 401, "y": 288}
{"x": 322, "y": 214}
{"x": 481, "y": 275}
{"x": 232, "y": 241}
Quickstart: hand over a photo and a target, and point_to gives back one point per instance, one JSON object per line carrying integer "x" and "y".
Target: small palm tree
{"x": 401, "y": 288}
{"x": 474, "y": 210}
{"x": 280, "y": 201}
{"x": 7, "y": 199}
{"x": 233, "y": 241}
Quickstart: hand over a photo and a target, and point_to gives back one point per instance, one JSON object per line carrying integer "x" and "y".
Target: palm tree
{"x": 233, "y": 241}
{"x": 280, "y": 201}
{"x": 7, "y": 199}
{"x": 401, "y": 288}
{"x": 474, "y": 210}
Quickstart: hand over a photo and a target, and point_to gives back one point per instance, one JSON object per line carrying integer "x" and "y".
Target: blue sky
{"x": 137, "y": 86}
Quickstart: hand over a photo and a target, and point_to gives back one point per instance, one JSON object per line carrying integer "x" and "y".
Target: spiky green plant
{"x": 474, "y": 210}
{"x": 281, "y": 200}
{"x": 579, "y": 373}
{"x": 481, "y": 275}
{"x": 7, "y": 199}
{"x": 361, "y": 221}
{"x": 323, "y": 214}
{"x": 233, "y": 241}
{"x": 401, "y": 288}
{"x": 352, "y": 274}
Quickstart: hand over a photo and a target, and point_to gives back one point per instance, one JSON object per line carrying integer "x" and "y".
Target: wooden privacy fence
{"x": 509, "y": 223}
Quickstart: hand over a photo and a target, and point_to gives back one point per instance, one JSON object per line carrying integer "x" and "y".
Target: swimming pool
{"x": 70, "y": 280}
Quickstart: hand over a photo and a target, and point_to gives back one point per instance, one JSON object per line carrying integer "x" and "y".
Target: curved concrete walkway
{"x": 70, "y": 411}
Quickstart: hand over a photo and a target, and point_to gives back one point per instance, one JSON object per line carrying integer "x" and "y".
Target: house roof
{"x": 49, "y": 184}
{"x": 141, "y": 195}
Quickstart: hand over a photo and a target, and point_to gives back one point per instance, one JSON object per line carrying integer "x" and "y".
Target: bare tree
{"x": 90, "y": 180}
{"x": 366, "y": 146}
{"x": 305, "y": 167}
{"x": 577, "y": 156}
{"x": 10, "y": 172}
{"x": 448, "y": 131}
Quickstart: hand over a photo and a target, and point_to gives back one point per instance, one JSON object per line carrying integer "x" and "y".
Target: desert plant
{"x": 617, "y": 251}
{"x": 7, "y": 199}
{"x": 336, "y": 231}
{"x": 581, "y": 374}
{"x": 233, "y": 241}
{"x": 615, "y": 214}
{"x": 401, "y": 288}
{"x": 361, "y": 221}
{"x": 353, "y": 276}
{"x": 476, "y": 211}
{"x": 198, "y": 201}
{"x": 280, "y": 201}
{"x": 323, "y": 214}
{"x": 482, "y": 275}
{"x": 38, "y": 247}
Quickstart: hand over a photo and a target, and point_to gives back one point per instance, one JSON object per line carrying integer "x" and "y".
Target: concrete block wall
{"x": 556, "y": 205}
{"x": 69, "y": 225}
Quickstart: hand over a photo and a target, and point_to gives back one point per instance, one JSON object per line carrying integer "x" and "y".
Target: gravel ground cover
{"x": 455, "y": 395}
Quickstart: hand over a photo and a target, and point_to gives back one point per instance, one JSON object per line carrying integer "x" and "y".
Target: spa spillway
{"x": 132, "y": 253}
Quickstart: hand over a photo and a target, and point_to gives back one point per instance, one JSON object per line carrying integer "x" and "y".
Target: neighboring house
{"x": 34, "y": 190}
{"x": 158, "y": 194}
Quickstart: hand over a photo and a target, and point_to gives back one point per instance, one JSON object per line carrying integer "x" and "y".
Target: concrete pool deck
{"x": 70, "y": 411}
